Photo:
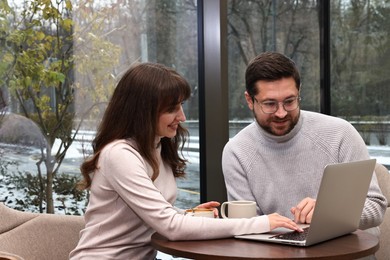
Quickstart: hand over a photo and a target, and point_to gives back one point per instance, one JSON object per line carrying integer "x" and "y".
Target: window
{"x": 60, "y": 63}
{"x": 359, "y": 70}
{"x": 289, "y": 27}
{"x": 359, "y": 41}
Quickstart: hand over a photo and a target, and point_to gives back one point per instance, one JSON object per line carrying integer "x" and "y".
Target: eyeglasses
{"x": 271, "y": 106}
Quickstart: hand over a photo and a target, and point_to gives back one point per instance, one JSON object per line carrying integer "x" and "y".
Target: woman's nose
{"x": 181, "y": 116}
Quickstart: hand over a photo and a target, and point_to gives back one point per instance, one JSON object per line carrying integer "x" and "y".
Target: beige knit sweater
{"x": 126, "y": 208}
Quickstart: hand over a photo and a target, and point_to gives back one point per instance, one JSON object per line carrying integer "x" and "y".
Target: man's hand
{"x": 303, "y": 212}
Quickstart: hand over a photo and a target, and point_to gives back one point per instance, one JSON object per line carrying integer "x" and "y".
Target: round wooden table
{"x": 355, "y": 245}
{"x": 8, "y": 256}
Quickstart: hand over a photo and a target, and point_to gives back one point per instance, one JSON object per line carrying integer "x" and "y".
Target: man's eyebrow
{"x": 272, "y": 99}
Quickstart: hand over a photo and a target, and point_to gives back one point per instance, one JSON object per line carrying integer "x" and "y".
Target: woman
{"x": 131, "y": 175}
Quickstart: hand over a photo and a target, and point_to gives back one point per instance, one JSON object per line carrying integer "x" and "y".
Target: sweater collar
{"x": 282, "y": 138}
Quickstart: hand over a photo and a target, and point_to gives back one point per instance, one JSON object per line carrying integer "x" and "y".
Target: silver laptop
{"x": 340, "y": 201}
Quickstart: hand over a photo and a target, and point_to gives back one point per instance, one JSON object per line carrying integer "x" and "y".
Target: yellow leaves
{"x": 54, "y": 76}
{"x": 27, "y": 81}
{"x": 67, "y": 24}
{"x": 5, "y": 7}
{"x": 43, "y": 103}
{"x": 39, "y": 36}
{"x": 50, "y": 48}
{"x": 68, "y": 5}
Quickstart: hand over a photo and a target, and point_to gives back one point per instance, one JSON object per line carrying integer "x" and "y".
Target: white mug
{"x": 239, "y": 209}
{"x": 200, "y": 212}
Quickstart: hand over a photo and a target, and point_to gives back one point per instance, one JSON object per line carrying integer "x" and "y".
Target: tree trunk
{"x": 49, "y": 193}
{"x": 49, "y": 180}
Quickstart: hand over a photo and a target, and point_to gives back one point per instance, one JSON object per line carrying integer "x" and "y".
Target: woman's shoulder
{"x": 118, "y": 146}
{"x": 120, "y": 143}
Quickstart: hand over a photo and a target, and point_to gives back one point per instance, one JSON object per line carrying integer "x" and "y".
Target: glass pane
{"x": 58, "y": 69}
{"x": 289, "y": 27}
{"x": 360, "y": 93}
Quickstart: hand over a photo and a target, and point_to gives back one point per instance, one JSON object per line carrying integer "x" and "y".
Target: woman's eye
{"x": 175, "y": 108}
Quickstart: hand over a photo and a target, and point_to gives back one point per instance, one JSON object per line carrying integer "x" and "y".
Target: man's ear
{"x": 249, "y": 100}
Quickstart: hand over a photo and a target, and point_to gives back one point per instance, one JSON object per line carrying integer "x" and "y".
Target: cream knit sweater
{"x": 126, "y": 208}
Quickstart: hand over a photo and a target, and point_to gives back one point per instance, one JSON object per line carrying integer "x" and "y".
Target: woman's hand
{"x": 276, "y": 220}
{"x": 211, "y": 205}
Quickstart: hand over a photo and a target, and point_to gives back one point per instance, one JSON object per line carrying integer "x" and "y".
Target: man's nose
{"x": 281, "y": 112}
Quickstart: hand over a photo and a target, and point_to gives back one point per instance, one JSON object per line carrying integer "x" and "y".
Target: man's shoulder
{"x": 318, "y": 124}
{"x": 318, "y": 118}
{"x": 245, "y": 136}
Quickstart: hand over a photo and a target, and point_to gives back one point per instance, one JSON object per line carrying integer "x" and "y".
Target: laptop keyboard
{"x": 294, "y": 235}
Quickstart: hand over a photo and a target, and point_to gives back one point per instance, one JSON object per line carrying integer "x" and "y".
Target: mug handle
{"x": 223, "y": 209}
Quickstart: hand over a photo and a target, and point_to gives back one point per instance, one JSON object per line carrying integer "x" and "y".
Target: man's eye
{"x": 269, "y": 104}
{"x": 289, "y": 101}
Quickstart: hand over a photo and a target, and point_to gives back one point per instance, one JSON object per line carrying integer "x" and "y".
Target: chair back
{"x": 38, "y": 236}
{"x": 383, "y": 176}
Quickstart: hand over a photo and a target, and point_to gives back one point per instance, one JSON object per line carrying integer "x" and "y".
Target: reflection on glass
{"x": 359, "y": 67}
{"x": 58, "y": 70}
{"x": 60, "y": 64}
{"x": 359, "y": 72}
{"x": 289, "y": 27}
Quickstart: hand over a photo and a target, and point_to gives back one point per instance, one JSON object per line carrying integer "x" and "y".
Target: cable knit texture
{"x": 279, "y": 171}
{"x": 126, "y": 208}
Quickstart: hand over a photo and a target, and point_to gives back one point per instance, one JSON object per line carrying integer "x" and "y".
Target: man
{"x": 278, "y": 160}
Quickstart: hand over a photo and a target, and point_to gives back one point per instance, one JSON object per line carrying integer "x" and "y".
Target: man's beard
{"x": 269, "y": 129}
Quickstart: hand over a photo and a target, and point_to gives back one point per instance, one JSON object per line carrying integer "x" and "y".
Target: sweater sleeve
{"x": 374, "y": 207}
{"x": 353, "y": 148}
{"x": 234, "y": 172}
{"x": 128, "y": 176}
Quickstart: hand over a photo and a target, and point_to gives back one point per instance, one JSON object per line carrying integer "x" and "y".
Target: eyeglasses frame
{"x": 297, "y": 98}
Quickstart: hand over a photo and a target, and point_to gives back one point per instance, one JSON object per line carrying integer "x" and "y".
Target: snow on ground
{"x": 24, "y": 160}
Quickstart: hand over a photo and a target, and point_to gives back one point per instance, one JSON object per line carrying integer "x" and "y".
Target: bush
{"x": 21, "y": 191}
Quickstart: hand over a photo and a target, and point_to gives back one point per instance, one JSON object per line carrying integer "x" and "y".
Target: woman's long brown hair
{"x": 144, "y": 92}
